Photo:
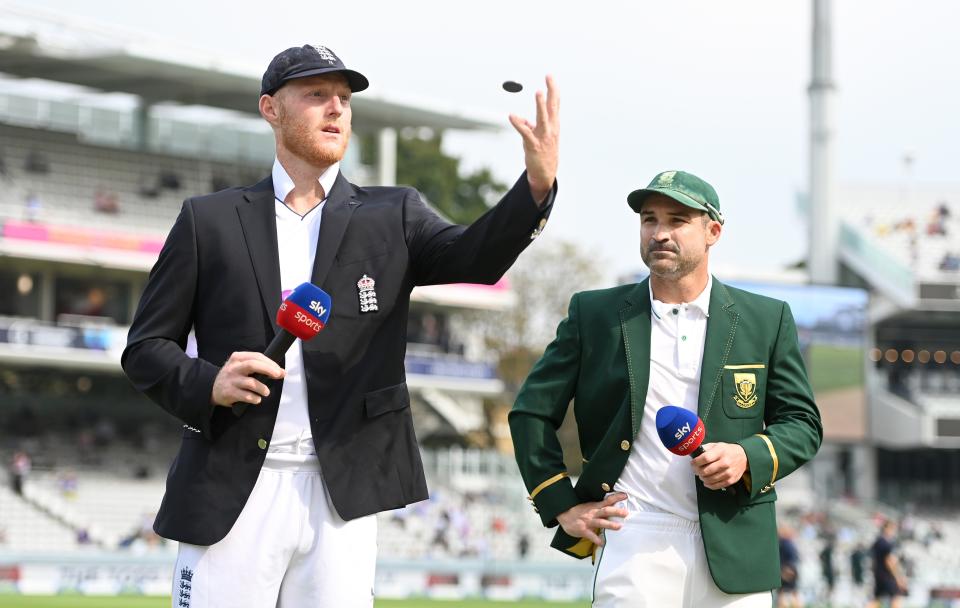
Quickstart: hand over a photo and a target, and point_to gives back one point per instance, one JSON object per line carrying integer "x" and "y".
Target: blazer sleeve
{"x": 793, "y": 429}
{"x": 441, "y": 252}
{"x": 537, "y": 414}
{"x": 154, "y": 358}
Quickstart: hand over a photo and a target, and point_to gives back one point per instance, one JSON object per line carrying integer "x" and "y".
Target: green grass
{"x": 78, "y": 601}
{"x": 834, "y": 367}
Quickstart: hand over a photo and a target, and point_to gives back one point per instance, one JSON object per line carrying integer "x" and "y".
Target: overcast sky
{"x": 715, "y": 88}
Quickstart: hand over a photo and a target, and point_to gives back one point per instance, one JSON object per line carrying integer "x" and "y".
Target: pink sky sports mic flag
{"x": 302, "y": 315}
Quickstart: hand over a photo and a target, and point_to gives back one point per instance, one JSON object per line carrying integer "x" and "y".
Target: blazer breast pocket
{"x": 353, "y": 255}
{"x": 744, "y": 389}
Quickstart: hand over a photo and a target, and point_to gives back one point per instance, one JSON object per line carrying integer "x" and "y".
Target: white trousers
{"x": 656, "y": 560}
{"x": 288, "y": 549}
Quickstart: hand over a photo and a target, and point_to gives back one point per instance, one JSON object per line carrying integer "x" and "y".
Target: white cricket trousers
{"x": 656, "y": 560}
{"x": 288, "y": 549}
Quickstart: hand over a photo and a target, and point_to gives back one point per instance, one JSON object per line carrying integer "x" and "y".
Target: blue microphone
{"x": 681, "y": 431}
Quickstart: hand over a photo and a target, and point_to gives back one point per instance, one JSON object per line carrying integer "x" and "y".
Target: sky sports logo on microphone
{"x": 317, "y": 307}
{"x": 692, "y": 439}
{"x": 305, "y": 312}
{"x": 681, "y": 431}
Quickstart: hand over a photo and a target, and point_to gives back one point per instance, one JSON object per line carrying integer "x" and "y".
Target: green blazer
{"x": 601, "y": 359}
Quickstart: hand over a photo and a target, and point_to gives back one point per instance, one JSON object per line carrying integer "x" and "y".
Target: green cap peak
{"x": 685, "y": 188}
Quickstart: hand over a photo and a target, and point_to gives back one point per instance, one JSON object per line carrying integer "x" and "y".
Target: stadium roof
{"x": 38, "y": 45}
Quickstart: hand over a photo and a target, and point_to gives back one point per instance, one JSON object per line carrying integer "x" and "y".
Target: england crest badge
{"x": 366, "y": 288}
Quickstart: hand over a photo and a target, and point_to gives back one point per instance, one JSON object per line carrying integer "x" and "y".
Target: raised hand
{"x": 541, "y": 142}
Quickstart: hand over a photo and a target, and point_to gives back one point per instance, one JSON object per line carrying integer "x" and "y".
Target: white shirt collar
{"x": 701, "y": 303}
{"x": 282, "y": 184}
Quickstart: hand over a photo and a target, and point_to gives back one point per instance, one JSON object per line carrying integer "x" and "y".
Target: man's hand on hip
{"x": 585, "y": 520}
{"x": 541, "y": 142}
{"x": 721, "y": 465}
{"x": 234, "y": 382}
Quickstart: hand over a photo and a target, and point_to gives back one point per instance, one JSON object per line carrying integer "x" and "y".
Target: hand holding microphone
{"x": 718, "y": 465}
{"x": 240, "y": 381}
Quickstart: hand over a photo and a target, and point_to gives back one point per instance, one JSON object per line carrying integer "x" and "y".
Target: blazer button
{"x": 625, "y": 445}
{"x": 605, "y": 487}
{"x": 262, "y": 443}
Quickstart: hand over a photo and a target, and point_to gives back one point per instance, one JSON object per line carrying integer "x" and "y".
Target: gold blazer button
{"x": 262, "y": 444}
{"x": 605, "y": 487}
{"x": 625, "y": 445}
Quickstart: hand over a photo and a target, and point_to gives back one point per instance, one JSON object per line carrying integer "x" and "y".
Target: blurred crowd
{"x": 825, "y": 562}
{"x": 938, "y": 223}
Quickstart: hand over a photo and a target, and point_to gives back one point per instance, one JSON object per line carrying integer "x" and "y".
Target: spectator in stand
{"x": 889, "y": 582}
{"x": 826, "y": 566}
{"x": 441, "y": 528}
{"x": 789, "y": 570}
{"x": 944, "y": 210}
{"x": 950, "y": 262}
{"x": 20, "y": 466}
{"x": 938, "y": 220}
{"x": 36, "y": 162}
{"x": 105, "y": 201}
{"x": 67, "y": 483}
{"x": 32, "y": 207}
{"x": 169, "y": 180}
{"x": 83, "y": 537}
{"x": 857, "y": 557}
{"x": 523, "y": 546}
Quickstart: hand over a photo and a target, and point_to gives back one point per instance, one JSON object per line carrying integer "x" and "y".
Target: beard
{"x": 302, "y": 142}
{"x": 678, "y": 267}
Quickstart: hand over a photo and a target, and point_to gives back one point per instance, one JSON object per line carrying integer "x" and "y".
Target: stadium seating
{"x": 110, "y": 508}
{"x": 915, "y": 235}
{"x": 24, "y": 527}
{"x": 142, "y": 183}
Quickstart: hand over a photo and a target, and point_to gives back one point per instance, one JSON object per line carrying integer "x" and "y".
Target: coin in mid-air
{"x": 512, "y": 87}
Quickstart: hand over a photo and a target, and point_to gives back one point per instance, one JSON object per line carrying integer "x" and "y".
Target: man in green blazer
{"x": 667, "y": 530}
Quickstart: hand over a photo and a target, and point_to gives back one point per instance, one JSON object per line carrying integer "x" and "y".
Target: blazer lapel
{"x": 721, "y": 328}
{"x": 258, "y": 220}
{"x": 336, "y": 215}
{"x": 635, "y": 327}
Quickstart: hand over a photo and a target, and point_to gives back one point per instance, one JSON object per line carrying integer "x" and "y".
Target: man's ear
{"x": 270, "y": 109}
{"x": 714, "y": 229}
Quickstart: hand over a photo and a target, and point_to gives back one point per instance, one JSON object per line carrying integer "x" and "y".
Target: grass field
{"x": 75, "y": 601}
{"x": 833, "y": 367}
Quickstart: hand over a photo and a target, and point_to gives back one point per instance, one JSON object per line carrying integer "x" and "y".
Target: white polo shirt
{"x": 655, "y": 479}
{"x": 297, "y": 245}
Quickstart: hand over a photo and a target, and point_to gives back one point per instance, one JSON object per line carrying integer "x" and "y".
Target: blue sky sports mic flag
{"x": 681, "y": 431}
{"x": 304, "y": 313}
{"x": 301, "y": 315}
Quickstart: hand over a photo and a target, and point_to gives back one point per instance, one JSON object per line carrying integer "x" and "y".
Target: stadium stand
{"x": 94, "y": 186}
{"x": 25, "y": 527}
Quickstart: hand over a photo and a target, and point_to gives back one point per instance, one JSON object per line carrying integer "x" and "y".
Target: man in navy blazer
{"x": 276, "y": 506}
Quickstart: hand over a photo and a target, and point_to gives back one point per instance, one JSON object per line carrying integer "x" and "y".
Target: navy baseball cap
{"x": 307, "y": 60}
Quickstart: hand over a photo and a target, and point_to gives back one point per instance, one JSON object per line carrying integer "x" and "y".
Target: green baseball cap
{"x": 685, "y": 188}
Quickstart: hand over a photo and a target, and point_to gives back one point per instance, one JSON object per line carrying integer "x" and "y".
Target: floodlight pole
{"x": 823, "y": 221}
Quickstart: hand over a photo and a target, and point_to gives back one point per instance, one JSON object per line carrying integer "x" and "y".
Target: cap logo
{"x": 666, "y": 179}
{"x": 325, "y": 53}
